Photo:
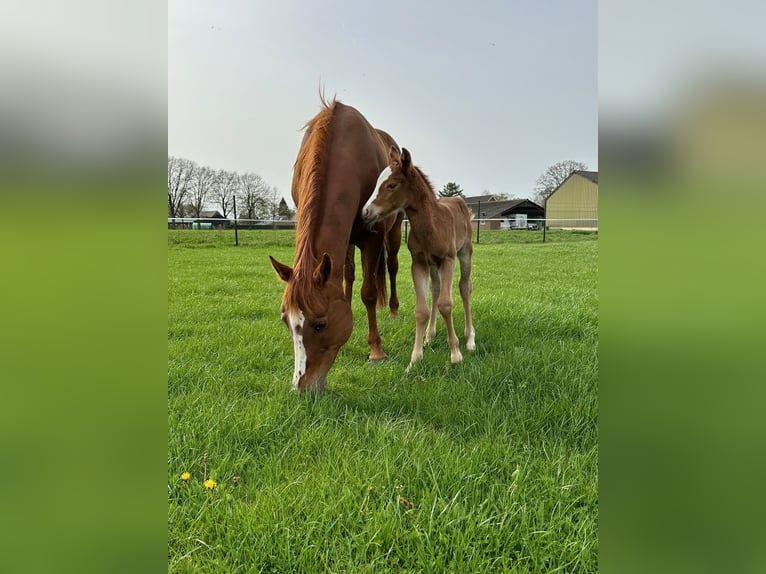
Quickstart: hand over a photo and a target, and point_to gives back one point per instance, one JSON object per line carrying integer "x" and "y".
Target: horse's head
{"x": 392, "y": 191}
{"x": 319, "y": 319}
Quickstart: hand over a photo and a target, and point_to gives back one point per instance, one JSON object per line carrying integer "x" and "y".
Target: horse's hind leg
{"x": 349, "y": 269}
{"x": 371, "y": 252}
{"x": 393, "y": 243}
{"x": 466, "y": 287}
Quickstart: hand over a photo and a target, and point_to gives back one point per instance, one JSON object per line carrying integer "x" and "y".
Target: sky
{"x": 484, "y": 94}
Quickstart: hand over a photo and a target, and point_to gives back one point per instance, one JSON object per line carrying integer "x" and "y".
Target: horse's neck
{"x": 328, "y": 236}
{"x": 421, "y": 212}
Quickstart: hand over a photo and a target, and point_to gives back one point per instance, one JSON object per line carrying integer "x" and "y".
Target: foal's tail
{"x": 380, "y": 277}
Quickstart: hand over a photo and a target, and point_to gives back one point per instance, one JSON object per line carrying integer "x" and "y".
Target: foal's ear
{"x": 323, "y": 270}
{"x": 406, "y": 159}
{"x": 393, "y": 156}
{"x": 284, "y": 271}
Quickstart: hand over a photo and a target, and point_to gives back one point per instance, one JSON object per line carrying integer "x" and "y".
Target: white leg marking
{"x": 296, "y": 321}
{"x": 471, "y": 343}
{"x": 384, "y": 175}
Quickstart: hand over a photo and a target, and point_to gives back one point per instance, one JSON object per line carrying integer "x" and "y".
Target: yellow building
{"x": 574, "y": 203}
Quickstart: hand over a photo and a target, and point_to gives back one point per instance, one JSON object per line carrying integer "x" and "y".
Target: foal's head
{"x": 393, "y": 192}
{"x": 319, "y": 319}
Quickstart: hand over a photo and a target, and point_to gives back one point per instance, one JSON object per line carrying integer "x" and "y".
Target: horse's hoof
{"x": 377, "y": 359}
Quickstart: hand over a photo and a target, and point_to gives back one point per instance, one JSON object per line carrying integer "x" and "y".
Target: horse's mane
{"x": 309, "y": 175}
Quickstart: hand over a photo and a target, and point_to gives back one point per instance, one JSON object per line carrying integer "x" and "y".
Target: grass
{"x": 488, "y": 466}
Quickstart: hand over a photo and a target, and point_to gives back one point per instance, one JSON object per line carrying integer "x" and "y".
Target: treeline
{"x": 193, "y": 189}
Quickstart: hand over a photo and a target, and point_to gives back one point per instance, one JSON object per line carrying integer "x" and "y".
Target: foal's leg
{"x": 466, "y": 287}
{"x": 349, "y": 269}
{"x": 446, "y": 272}
{"x": 435, "y": 289}
{"x": 420, "y": 281}
{"x": 393, "y": 243}
{"x": 371, "y": 252}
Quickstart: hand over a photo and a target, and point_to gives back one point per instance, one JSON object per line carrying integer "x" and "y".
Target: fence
{"x": 488, "y": 230}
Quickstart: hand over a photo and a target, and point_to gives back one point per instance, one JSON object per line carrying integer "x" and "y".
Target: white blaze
{"x": 384, "y": 175}
{"x": 296, "y": 320}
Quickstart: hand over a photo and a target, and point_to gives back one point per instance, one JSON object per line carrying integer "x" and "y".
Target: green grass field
{"x": 488, "y": 466}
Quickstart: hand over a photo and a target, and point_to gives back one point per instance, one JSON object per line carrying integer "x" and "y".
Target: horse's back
{"x": 461, "y": 219}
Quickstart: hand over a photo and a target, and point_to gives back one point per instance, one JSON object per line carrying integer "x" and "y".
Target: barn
{"x": 501, "y": 214}
{"x": 574, "y": 203}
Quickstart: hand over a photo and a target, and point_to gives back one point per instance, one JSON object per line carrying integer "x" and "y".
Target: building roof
{"x": 478, "y": 198}
{"x": 591, "y": 176}
{"x": 211, "y": 214}
{"x": 495, "y": 209}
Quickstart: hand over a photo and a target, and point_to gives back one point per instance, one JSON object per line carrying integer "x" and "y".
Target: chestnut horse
{"x": 338, "y": 163}
{"x": 440, "y": 231}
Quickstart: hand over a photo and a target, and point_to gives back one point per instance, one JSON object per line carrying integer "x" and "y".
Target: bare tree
{"x": 201, "y": 185}
{"x": 253, "y": 196}
{"x": 273, "y": 203}
{"x": 179, "y": 173}
{"x": 225, "y": 186}
{"x": 553, "y": 177}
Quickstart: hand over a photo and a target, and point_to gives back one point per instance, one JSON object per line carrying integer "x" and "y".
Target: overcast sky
{"x": 485, "y": 94}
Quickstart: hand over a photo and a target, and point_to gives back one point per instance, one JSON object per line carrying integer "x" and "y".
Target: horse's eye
{"x": 319, "y": 327}
{"x": 391, "y": 186}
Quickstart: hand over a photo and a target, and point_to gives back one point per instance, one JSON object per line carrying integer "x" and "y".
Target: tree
{"x": 201, "y": 185}
{"x": 553, "y": 177}
{"x": 451, "y": 190}
{"x": 179, "y": 174}
{"x": 253, "y": 197}
{"x": 224, "y": 188}
{"x": 284, "y": 211}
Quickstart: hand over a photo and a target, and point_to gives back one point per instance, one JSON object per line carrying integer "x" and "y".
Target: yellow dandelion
{"x": 185, "y": 476}
{"x": 210, "y": 484}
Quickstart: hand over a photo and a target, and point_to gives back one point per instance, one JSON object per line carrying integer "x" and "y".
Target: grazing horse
{"x": 338, "y": 163}
{"x": 440, "y": 231}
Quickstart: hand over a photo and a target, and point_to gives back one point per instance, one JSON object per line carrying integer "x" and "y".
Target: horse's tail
{"x": 380, "y": 277}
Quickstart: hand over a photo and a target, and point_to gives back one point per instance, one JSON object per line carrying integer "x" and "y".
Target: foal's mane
{"x": 425, "y": 179}
{"x": 309, "y": 175}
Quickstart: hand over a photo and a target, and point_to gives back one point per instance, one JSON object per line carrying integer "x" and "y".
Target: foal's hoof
{"x": 377, "y": 358}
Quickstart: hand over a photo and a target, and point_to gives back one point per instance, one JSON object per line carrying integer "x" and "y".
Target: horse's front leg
{"x": 420, "y": 282}
{"x": 371, "y": 253}
{"x": 446, "y": 272}
{"x": 435, "y": 289}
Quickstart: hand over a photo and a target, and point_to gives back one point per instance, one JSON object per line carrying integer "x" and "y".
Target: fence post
{"x": 545, "y": 217}
{"x": 478, "y": 222}
{"x": 236, "y": 236}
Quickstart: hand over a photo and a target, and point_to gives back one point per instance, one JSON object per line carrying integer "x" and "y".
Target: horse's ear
{"x": 323, "y": 270}
{"x": 406, "y": 159}
{"x": 393, "y": 156}
{"x": 284, "y": 271}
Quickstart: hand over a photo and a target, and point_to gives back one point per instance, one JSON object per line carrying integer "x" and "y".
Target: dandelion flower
{"x": 210, "y": 484}
{"x": 185, "y": 476}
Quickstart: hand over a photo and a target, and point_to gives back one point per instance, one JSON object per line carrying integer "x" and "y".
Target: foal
{"x": 440, "y": 231}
